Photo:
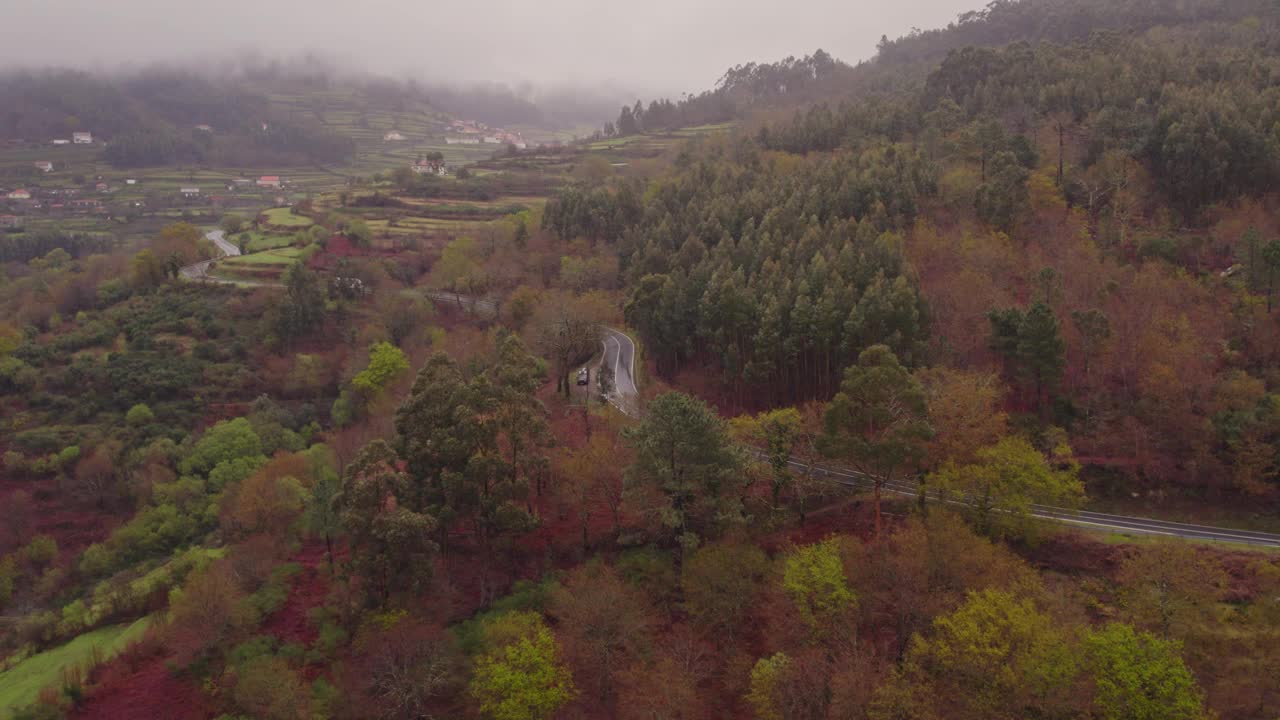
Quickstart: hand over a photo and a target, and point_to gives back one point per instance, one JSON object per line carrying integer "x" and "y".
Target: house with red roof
{"x": 270, "y": 181}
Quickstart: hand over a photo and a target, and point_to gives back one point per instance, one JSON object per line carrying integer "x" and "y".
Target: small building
{"x": 19, "y": 194}
{"x": 242, "y": 182}
{"x": 102, "y": 187}
{"x": 492, "y": 139}
{"x": 270, "y": 181}
{"x": 204, "y": 128}
{"x": 430, "y": 167}
{"x": 61, "y": 141}
{"x": 131, "y": 181}
{"x": 10, "y": 221}
{"x": 43, "y": 165}
{"x": 393, "y": 136}
{"x": 190, "y": 192}
{"x": 82, "y": 138}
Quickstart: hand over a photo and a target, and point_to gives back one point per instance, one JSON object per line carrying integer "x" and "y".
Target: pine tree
{"x": 878, "y": 422}
{"x": 1041, "y": 351}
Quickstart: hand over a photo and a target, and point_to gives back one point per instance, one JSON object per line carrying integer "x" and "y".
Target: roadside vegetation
{"x": 352, "y": 474}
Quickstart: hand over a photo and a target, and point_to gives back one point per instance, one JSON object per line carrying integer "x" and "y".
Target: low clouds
{"x": 667, "y": 46}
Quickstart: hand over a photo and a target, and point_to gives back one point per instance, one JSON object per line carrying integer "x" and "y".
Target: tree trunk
{"x": 1061, "y": 130}
{"x": 878, "y": 483}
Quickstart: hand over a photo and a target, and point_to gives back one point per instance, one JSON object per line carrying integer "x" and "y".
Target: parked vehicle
{"x": 584, "y": 376}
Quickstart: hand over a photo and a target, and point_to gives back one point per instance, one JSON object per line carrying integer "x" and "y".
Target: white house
{"x": 428, "y": 167}
{"x": 190, "y": 192}
{"x": 492, "y": 139}
{"x": 393, "y": 136}
{"x": 82, "y": 138}
{"x": 204, "y": 128}
{"x": 61, "y": 141}
{"x": 43, "y": 165}
{"x": 131, "y": 181}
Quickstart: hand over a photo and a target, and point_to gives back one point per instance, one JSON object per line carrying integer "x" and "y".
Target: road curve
{"x": 200, "y": 270}
{"x": 1079, "y": 518}
{"x": 219, "y": 238}
{"x": 620, "y": 355}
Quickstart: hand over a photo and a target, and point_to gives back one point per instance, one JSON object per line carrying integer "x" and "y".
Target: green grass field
{"x": 21, "y": 685}
{"x": 284, "y": 217}
{"x": 258, "y": 242}
{"x": 281, "y": 256}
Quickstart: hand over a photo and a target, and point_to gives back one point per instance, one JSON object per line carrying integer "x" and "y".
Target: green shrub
{"x": 252, "y": 649}
{"x": 139, "y": 415}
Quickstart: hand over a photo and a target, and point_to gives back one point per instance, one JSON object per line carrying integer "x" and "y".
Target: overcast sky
{"x": 655, "y": 45}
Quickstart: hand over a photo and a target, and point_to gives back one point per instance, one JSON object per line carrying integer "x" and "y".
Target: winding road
{"x": 200, "y": 270}
{"x": 1123, "y": 524}
{"x": 620, "y": 355}
{"x": 619, "y": 352}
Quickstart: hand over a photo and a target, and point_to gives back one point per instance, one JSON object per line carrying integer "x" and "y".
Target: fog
{"x": 659, "y": 46}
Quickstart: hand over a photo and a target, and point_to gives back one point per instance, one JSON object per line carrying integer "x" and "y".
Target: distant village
{"x": 97, "y": 195}
{"x": 470, "y": 132}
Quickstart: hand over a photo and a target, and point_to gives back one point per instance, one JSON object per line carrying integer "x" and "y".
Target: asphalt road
{"x": 1123, "y": 524}
{"x": 219, "y": 238}
{"x": 200, "y": 270}
{"x": 620, "y": 354}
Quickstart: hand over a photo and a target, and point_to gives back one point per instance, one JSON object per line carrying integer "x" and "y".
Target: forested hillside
{"x": 149, "y": 119}
{"x": 874, "y": 392}
{"x": 1113, "y": 198}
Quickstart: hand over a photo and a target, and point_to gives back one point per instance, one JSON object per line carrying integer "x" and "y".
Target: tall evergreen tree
{"x": 879, "y": 421}
{"x": 1041, "y": 351}
{"x": 683, "y": 451}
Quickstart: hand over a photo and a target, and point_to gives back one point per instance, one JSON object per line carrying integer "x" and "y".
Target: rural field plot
{"x": 21, "y": 684}
{"x": 285, "y": 217}
{"x": 258, "y": 242}
{"x": 265, "y": 266}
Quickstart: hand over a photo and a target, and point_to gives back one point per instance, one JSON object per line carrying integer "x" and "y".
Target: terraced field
{"x": 285, "y": 218}
{"x": 21, "y": 684}
{"x": 259, "y": 242}
{"x": 265, "y": 266}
